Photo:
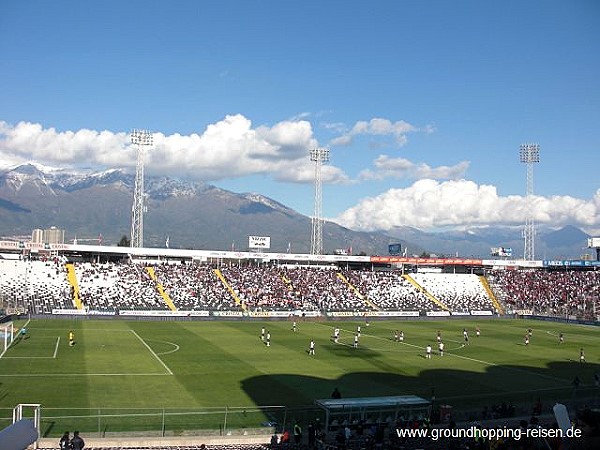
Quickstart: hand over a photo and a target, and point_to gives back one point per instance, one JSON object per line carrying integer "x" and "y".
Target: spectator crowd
{"x": 41, "y": 286}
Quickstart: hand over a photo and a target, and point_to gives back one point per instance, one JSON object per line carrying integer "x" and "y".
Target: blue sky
{"x": 423, "y": 104}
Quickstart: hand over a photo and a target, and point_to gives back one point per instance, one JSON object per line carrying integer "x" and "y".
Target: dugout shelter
{"x": 379, "y": 410}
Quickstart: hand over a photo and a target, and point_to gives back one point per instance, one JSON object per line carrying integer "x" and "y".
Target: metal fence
{"x": 166, "y": 422}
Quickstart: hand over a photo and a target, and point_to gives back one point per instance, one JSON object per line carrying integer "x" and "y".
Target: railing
{"x": 166, "y": 422}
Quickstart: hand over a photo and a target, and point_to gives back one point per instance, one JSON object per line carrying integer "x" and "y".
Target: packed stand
{"x": 322, "y": 288}
{"x": 549, "y": 293}
{"x": 194, "y": 287}
{"x": 263, "y": 288}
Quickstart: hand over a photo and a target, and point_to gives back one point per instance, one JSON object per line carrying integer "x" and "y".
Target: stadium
{"x": 134, "y": 346}
{"x": 139, "y": 347}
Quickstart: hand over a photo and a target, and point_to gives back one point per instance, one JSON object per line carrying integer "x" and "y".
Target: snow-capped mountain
{"x": 199, "y": 215}
{"x": 192, "y": 214}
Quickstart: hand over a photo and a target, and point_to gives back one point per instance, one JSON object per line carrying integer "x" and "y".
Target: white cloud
{"x": 300, "y": 116}
{"x": 226, "y": 149}
{"x": 429, "y": 204}
{"x": 27, "y": 141}
{"x": 376, "y": 127}
{"x": 304, "y": 172}
{"x": 386, "y": 167}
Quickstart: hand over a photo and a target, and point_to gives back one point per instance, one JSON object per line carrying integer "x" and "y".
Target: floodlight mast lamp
{"x": 529, "y": 154}
{"x": 318, "y": 156}
{"x": 141, "y": 139}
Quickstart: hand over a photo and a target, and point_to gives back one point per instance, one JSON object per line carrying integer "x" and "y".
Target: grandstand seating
{"x": 41, "y": 286}
{"x": 390, "y": 291}
{"x": 459, "y": 292}
{"x": 194, "y": 287}
{"x": 324, "y": 289}
{"x": 110, "y": 287}
{"x": 262, "y": 288}
{"x": 36, "y": 286}
{"x": 551, "y": 293}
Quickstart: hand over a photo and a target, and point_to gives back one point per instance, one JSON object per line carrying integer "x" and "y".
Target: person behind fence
{"x": 312, "y": 435}
{"x": 347, "y": 432}
{"x": 297, "y": 433}
{"x": 65, "y": 442}
{"x": 336, "y": 394}
{"x": 77, "y": 443}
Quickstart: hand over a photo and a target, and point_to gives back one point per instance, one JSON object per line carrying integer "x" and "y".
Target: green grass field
{"x": 147, "y": 367}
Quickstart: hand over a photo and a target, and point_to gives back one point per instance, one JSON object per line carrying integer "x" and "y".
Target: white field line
{"x": 8, "y": 375}
{"x": 390, "y": 348}
{"x": 28, "y": 357}
{"x": 175, "y": 348}
{"x": 153, "y": 352}
{"x": 6, "y": 349}
{"x": 38, "y": 357}
{"x": 487, "y": 363}
{"x": 86, "y": 329}
{"x": 56, "y": 348}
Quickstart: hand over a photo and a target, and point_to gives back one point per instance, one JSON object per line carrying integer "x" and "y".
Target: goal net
{"x": 7, "y": 336}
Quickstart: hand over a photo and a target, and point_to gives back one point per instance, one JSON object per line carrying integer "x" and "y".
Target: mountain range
{"x": 197, "y": 215}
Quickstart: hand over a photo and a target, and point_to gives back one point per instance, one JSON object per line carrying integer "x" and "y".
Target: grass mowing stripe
{"x": 44, "y": 375}
{"x": 226, "y": 363}
{"x": 152, "y": 351}
{"x": 487, "y": 363}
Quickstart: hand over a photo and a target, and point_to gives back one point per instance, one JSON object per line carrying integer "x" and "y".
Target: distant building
{"x": 52, "y": 235}
{"x": 37, "y": 236}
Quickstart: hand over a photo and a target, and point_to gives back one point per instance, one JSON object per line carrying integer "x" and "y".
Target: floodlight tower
{"x": 141, "y": 139}
{"x": 318, "y": 156}
{"x": 530, "y": 154}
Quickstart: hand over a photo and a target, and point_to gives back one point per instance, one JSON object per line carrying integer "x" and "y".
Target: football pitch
{"x": 148, "y": 366}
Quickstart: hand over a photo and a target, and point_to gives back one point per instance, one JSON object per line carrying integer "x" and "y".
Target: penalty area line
{"x": 39, "y": 357}
{"x": 153, "y": 352}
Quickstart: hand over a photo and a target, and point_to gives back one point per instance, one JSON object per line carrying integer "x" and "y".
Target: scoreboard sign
{"x": 394, "y": 249}
{"x": 263, "y": 242}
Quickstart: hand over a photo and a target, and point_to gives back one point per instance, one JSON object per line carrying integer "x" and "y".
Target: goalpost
{"x": 7, "y": 335}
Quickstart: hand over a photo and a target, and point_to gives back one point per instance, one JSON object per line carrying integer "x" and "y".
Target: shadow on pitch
{"x": 496, "y": 384}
